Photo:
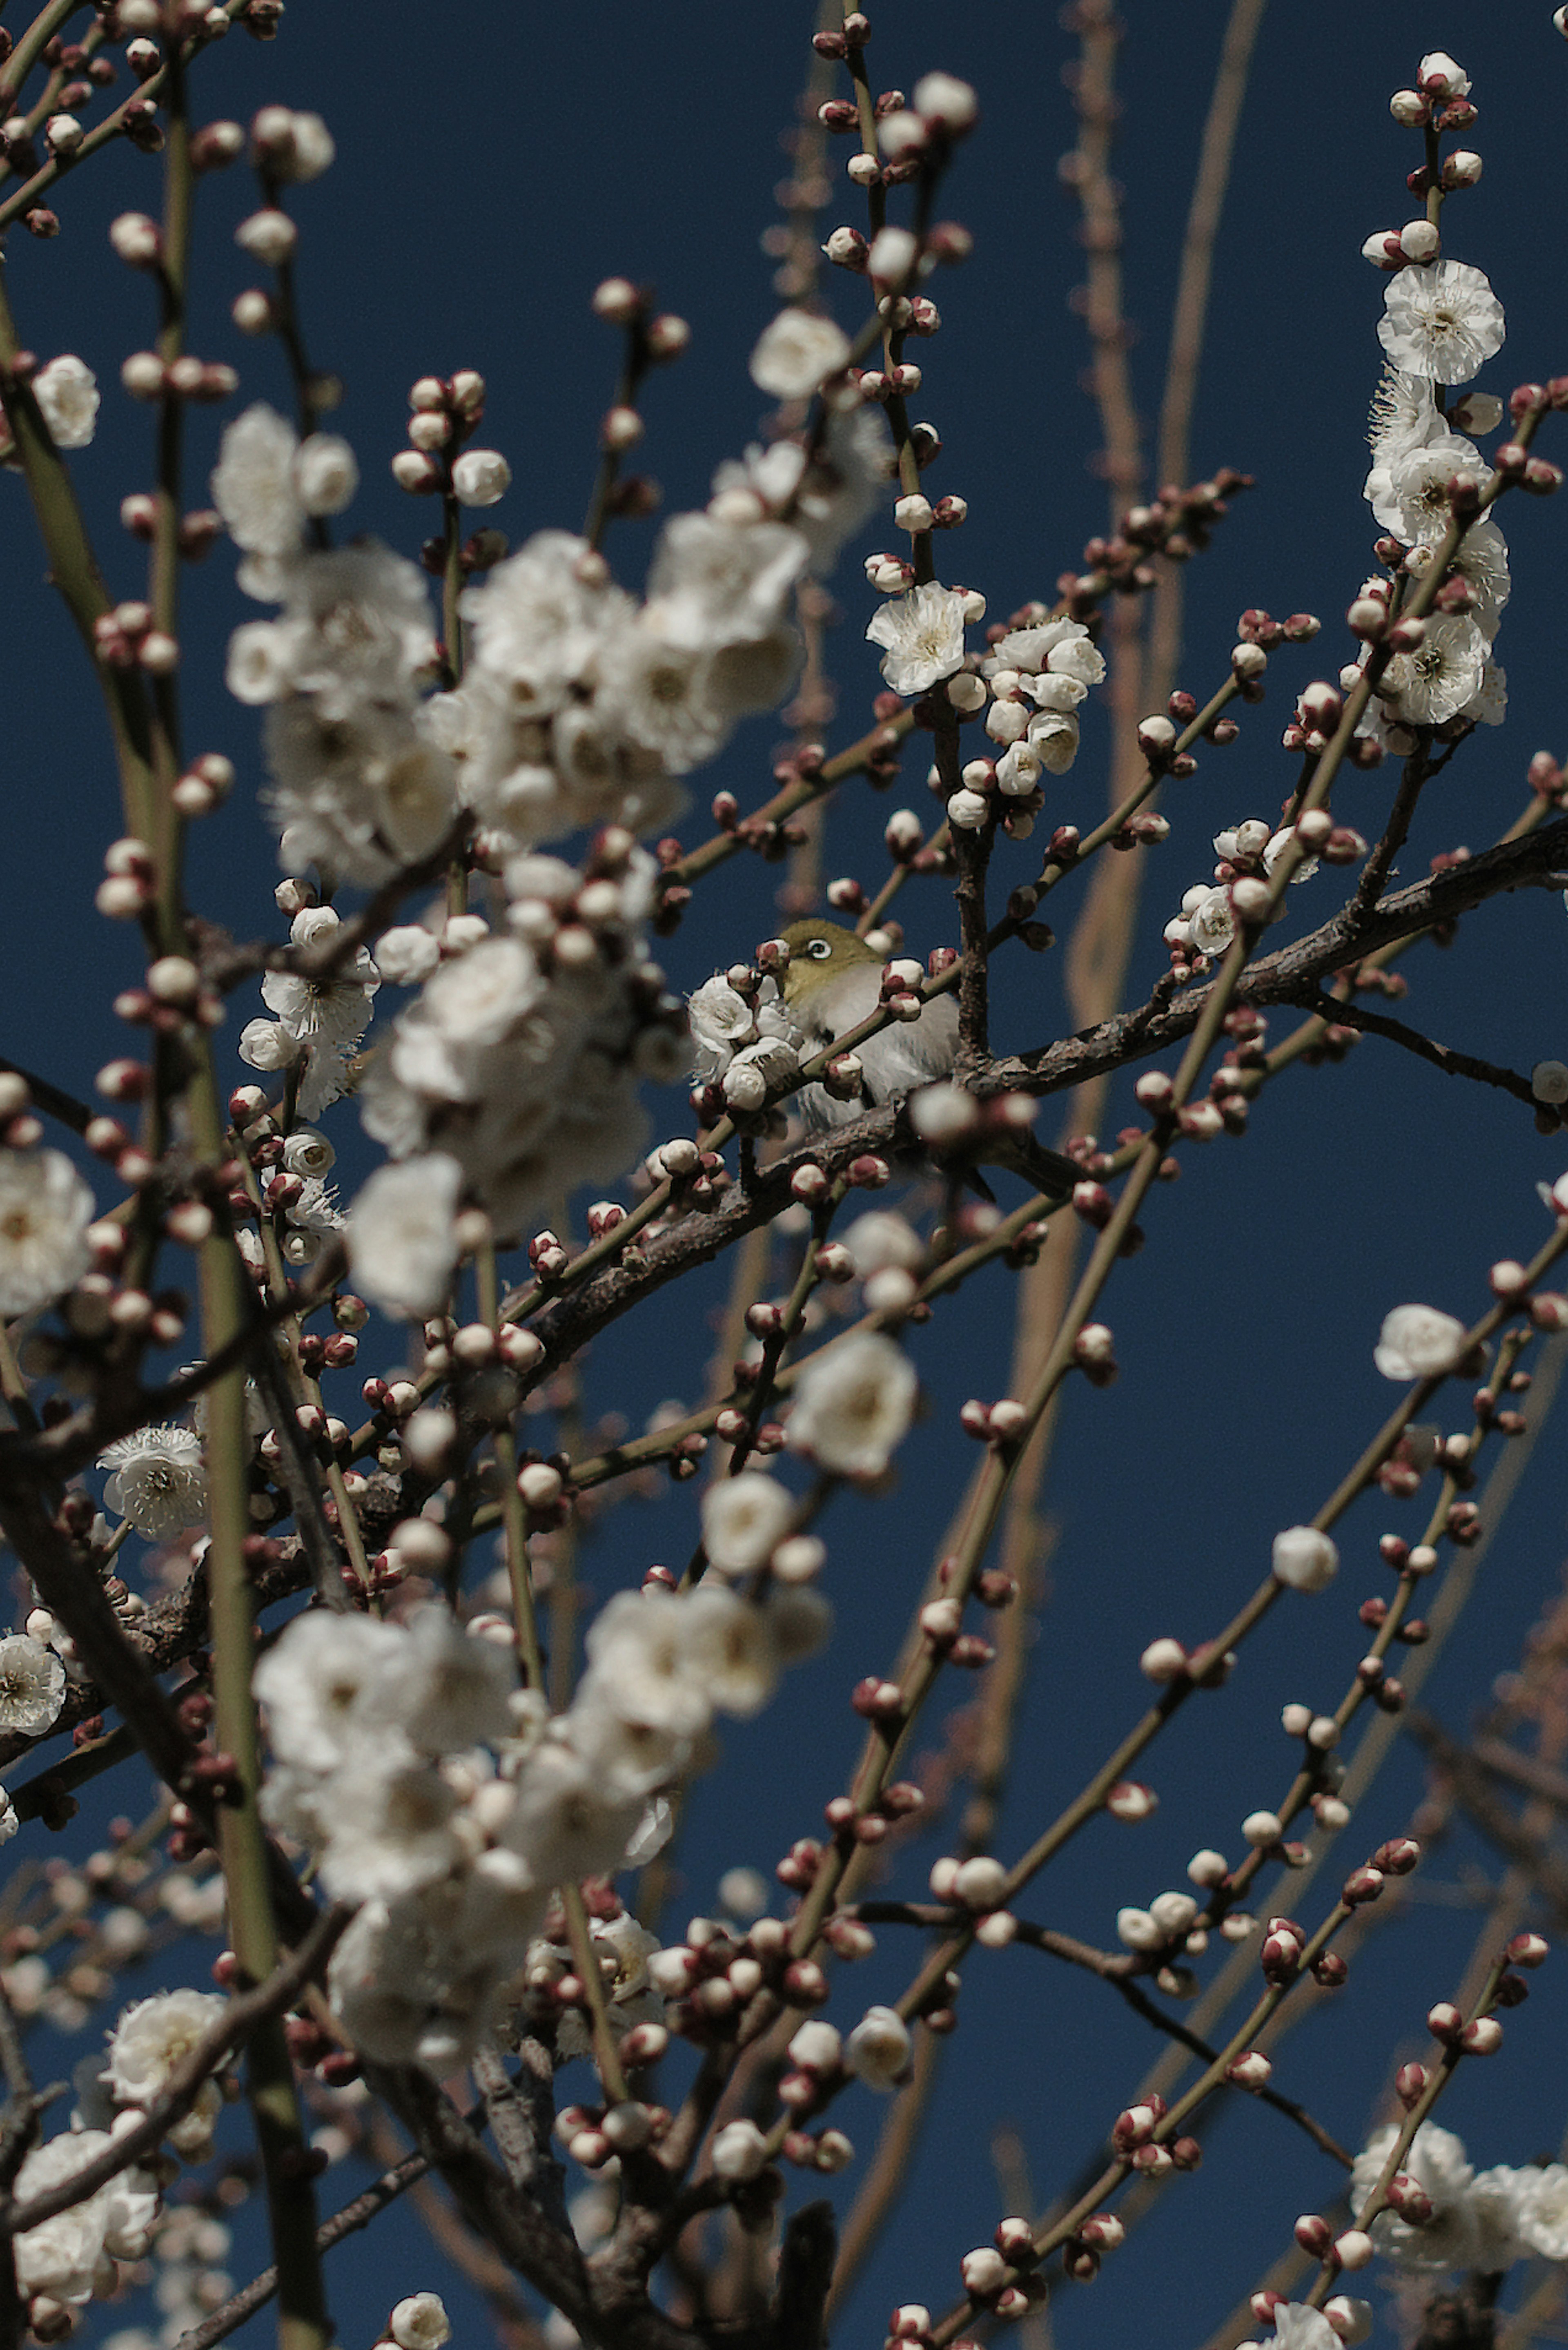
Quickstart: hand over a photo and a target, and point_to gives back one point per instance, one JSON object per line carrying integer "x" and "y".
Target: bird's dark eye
{"x": 818, "y": 949}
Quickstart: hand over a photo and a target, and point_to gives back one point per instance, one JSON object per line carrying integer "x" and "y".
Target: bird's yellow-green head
{"x": 819, "y": 953}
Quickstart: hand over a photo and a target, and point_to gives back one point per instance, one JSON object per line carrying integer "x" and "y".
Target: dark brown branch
{"x": 234, "y": 2027}
{"x": 62, "y": 1106}
{"x": 1350, "y": 1014}
{"x": 353, "y": 2216}
{"x": 1117, "y": 1967}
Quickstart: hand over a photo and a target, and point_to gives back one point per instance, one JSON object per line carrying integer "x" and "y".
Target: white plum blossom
{"x": 446, "y": 1691}
{"x": 32, "y": 1687}
{"x": 824, "y": 492}
{"x": 1299, "y": 2327}
{"x": 1212, "y": 921}
{"x": 1416, "y": 1342}
{"x": 1441, "y": 676}
{"x": 391, "y": 1826}
{"x": 1047, "y": 651}
{"x": 725, "y": 1026}
{"x": 154, "y": 2037}
{"x": 922, "y": 637}
{"x": 254, "y": 489}
{"x": 1543, "y": 2210}
{"x": 520, "y": 1063}
{"x": 420, "y": 2322}
{"x": 744, "y": 1519}
{"x": 321, "y": 1682}
{"x": 714, "y": 582}
{"x": 45, "y": 1211}
{"x": 1305, "y": 1558}
{"x": 853, "y": 1406}
{"x": 481, "y": 477}
{"x": 158, "y": 1480}
{"x": 324, "y": 1019}
{"x": 878, "y": 2050}
{"x": 795, "y": 353}
{"x": 721, "y": 1022}
{"x": 66, "y": 392}
{"x": 1409, "y": 493}
{"x": 1435, "y": 2161}
{"x": 1441, "y": 320}
{"x": 60, "y": 2256}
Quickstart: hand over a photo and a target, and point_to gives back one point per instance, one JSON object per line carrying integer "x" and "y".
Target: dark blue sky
{"x": 494, "y": 164}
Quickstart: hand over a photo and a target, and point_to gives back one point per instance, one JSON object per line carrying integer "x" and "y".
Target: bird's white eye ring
{"x": 818, "y": 949}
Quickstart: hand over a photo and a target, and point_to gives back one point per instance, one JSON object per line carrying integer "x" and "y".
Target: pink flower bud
{"x": 1251, "y": 2070}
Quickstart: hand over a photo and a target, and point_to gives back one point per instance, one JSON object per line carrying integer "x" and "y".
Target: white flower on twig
{"x": 1441, "y": 320}
{"x": 1416, "y": 1342}
{"x": 922, "y": 637}
{"x": 853, "y": 1406}
{"x": 67, "y": 391}
{"x": 156, "y": 1480}
{"x": 45, "y": 1211}
{"x": 32, "y": 1686}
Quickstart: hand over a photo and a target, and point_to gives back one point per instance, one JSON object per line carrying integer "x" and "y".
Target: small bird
{"x": 832, "y": 983}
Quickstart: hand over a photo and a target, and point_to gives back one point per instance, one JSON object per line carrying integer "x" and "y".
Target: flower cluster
{"x": 514, "y": 1073}
{"x": 69, "y": 2257}
{"x": 1441, "y": 322}
{"x": 746, "y": 1042}
{"x": 1484, "y": 2221}
{"x": 319, "y": 1023}
{"x": 446, "y": 1802}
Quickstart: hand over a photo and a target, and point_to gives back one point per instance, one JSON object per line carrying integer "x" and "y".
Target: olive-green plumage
{"x": 832, "y": 983}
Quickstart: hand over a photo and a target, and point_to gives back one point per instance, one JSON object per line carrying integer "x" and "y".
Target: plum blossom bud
{"x": 480, "y": 477}
{"x": 1483, "y": 2037}
{"x": 1549, "y": 1082}
{"x": 269, "y": 236}
{"x": 892, "y": 255}
{"x": 414, "y": 471}
{"x": 1351, "y": 2320}
{"x": 138, "y": 241}
{"x": 1528, "y": 1950}
{"x": 739, "y": 2151}
{"x": 816, "y": 2048}
{"x": 1137, "y": 1930}
{"x": 984, "y": 2271}
{"x": 1462, "y": 169}
{"x": 980, "y": 1882}
{"x": 1354, "y": 2248}
{"x": 1383, "y": 249}
{"x": 1410, "y": 108}
{"x": 1094, "y": 1344}
{"x": 1304, "y": 1558}
{"x": 1128, "y": 1800}
{"x": 1419, "y": 240}
{"x": 1163, "y": 1660}
{"x": 1250, "y": 2070}
{"x": 1439, "y": 75}
{"x": 1262, "y": 1828}
{"x": 1208, "y": 1867}
{"x": 878, "y": 2050}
